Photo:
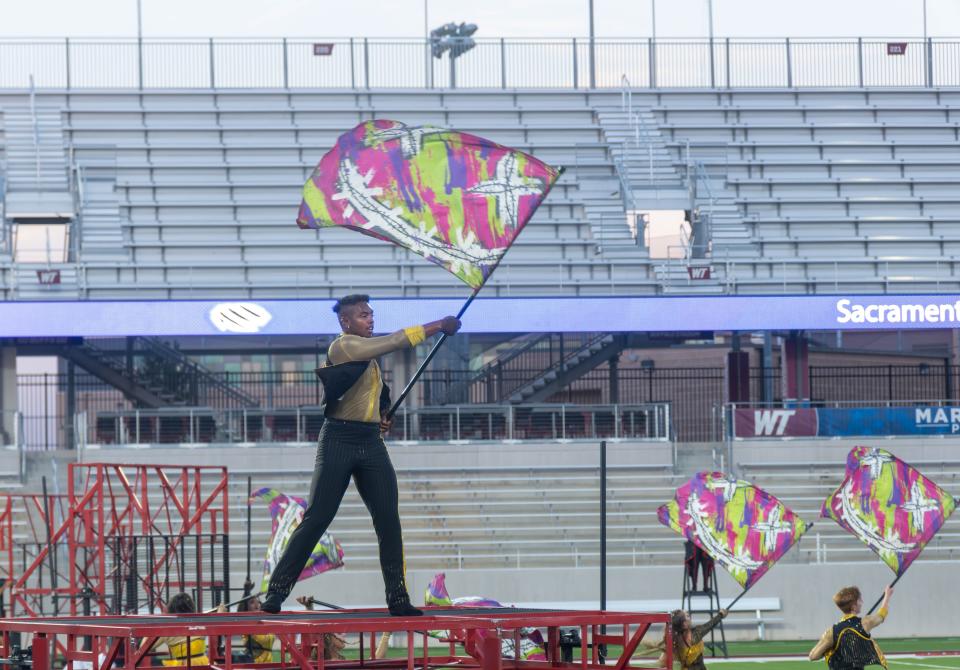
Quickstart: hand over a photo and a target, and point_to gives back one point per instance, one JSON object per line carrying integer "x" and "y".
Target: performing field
{"x": 942, "y": 653}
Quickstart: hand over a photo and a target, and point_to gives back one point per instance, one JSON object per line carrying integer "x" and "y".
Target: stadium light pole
{"x": 924, "y": 22}
{"x": 710, "y": 19}
{"x": 426, "y": 43}
{"x": 653, "y": 19}
{"x": 593, "y": 68}
{"x": 140, "y": 43}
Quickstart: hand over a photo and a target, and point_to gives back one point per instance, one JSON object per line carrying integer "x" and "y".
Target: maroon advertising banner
{"x": 753, "y": 423}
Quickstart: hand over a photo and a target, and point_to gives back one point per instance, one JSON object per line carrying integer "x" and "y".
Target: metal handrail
{"x": 36, "y": 129}
{"x": 561, "y": 421}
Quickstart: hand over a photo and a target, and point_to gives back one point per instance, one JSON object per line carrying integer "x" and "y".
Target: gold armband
{"x": 415, "y": 335}
{"x": 882, "y": 613}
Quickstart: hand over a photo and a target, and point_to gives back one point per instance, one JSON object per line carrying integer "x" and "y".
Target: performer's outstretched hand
{"x": 306, "y": 601}
{"x": 450, "y": 325}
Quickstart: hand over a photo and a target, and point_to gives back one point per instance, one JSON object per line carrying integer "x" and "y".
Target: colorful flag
{"x": 744, "y": 528}
{"x": 889, "y": 505}
{"x": 287, "y": 513}
{"x": 456, "y": 199}
{"x": 532, "y": 646}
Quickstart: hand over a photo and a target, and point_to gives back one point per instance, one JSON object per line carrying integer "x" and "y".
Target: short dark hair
{"x": 352, "y": 299}
{"x": 181, "y": 603}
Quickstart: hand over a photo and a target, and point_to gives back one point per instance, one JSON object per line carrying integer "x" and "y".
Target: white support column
{"x": 8, "y": 394}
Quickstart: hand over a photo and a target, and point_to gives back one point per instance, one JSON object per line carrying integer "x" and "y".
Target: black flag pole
{"x": 880, "y": 599}
{"x": 426, "y": 361}
{"x": 249, "y": 495}
{"x": 443, "y": 338}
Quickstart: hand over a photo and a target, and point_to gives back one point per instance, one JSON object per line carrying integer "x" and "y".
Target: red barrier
{"x": 126, "y": 641}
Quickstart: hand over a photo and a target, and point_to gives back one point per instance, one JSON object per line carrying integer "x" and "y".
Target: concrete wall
{"x": 422, "y": 455}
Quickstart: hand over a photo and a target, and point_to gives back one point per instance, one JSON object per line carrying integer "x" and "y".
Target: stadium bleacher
{"x": 812, "y": 190}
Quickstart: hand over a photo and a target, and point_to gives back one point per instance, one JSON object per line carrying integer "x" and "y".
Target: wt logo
{"x": 48, "y": 276}
{"x": 771, "y": 421}
{"x": 698, "y": 271}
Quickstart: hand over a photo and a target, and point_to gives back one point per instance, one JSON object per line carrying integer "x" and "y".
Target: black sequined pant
{"x": 347, "y": 449}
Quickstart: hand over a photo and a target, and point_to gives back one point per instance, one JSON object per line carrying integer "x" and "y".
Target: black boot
{"x": 272, "y": 604}
{"x": 403, "y": 608}
{"x": 398, "y": 602}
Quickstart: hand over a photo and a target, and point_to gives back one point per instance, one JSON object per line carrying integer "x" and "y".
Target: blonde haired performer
{"x": 847, "y": 644}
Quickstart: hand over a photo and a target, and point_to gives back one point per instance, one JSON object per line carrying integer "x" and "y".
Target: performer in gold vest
{"x": 847, "y": 644}
{"x": 351, "y": 445}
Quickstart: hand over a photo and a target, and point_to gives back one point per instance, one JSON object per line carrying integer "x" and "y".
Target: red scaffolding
{"x": 27, "y": 522}
{"x": 130, "y": 535}
{"x": 127, "y": 641}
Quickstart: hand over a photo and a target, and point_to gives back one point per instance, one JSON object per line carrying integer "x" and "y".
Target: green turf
{"x": 778, "y": 648}
{"x": 906, "y": 644}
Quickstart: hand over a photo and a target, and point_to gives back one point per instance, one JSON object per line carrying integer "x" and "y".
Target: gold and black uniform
{"x": 691, "y": 657}
{"x": 181, "y": 654}
{"x": 853, "y": 648}
{"x": 350, "y": 445}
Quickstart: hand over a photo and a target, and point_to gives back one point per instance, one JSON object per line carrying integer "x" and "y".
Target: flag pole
{"x": 880, "y": 599}
{"x": 734, "y": 601}
{"x": 426, "y": 361}
{"x": 443, "y": 338}
{"x": 249, "y": 494}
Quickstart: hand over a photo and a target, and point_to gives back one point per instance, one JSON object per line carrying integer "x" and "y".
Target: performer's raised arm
{"x": 871, "y": 621}
{"x": 357, "y": 342}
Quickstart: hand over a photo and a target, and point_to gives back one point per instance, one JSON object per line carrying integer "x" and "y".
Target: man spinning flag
{"x": 456, "y": 199}
{"x": 895, "y": 511}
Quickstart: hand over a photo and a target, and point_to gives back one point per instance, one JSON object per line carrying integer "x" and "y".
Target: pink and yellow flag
{"x": 287, "y": 513}
{"x": 889, "y": 505}
{"x": 456, "y": 199}
{"x": 745, "y": 529}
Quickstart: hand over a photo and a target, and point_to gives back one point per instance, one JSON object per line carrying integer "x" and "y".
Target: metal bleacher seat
{"x": 208, "y": 185}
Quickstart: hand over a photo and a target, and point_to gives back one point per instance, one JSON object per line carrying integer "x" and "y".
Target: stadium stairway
{"x": 577, "y": 363}
{"x": 101, "y": 230}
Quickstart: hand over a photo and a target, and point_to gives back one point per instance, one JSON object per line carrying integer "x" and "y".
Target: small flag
{"x": 287, "y": 513}
{"x": 744, "y": 528}
{"x": 889, "y": 505}
{"x": 532, "y": 646}
{"x": 456, "y": 199}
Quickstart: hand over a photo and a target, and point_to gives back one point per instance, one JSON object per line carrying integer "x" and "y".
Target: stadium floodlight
{"x": 452, "y": 37}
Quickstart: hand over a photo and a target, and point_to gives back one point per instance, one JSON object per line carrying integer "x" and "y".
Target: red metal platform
{"x": 126, "y": 641}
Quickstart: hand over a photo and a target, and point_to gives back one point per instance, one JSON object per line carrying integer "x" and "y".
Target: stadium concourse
{"x": 805, "y": 225}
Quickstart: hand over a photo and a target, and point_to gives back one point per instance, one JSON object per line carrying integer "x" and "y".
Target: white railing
{"x": 452, "y": 424}
{"x": 578, "y": 63}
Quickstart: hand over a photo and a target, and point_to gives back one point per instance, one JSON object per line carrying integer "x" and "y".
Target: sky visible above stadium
{"x": 496, "y": 18}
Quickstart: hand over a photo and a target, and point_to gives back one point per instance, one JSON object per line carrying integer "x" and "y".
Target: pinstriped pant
{"x": 347, "y": 449}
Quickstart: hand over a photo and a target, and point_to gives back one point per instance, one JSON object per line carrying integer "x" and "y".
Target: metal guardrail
{"x": 579, "y": 63}
{"x": 463, "y": 424}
